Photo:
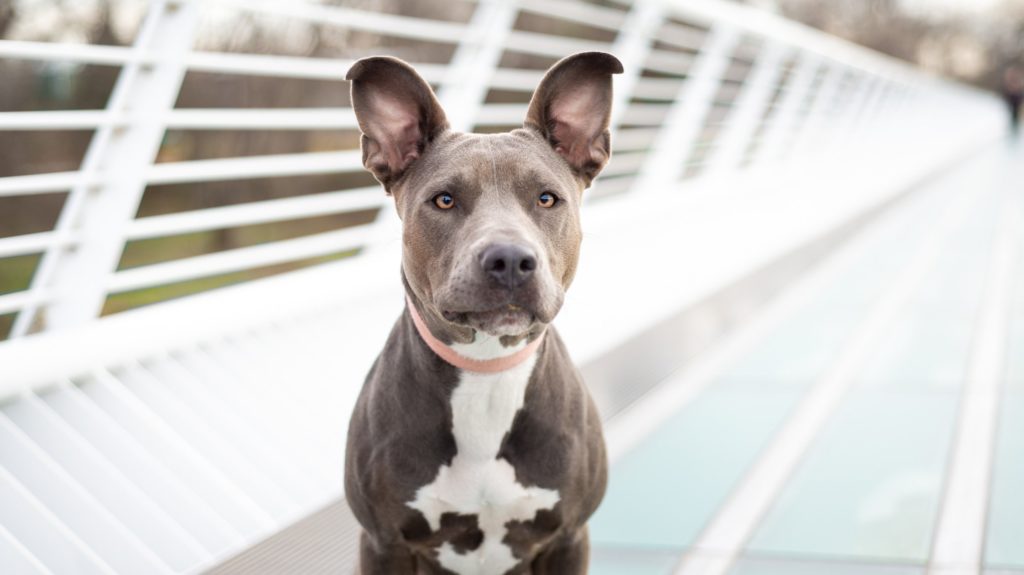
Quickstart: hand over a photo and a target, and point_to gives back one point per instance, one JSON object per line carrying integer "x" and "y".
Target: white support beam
{"x": 32, "y": 243}
{"x": 848, "y": 103}
{"x": 99, "y": 215}
{"x": 467, "y": 78}
{"x": 867, "y": 110}
{"x": 750, "y": 106}
{"x": 632, "y": 46}
{"x": 782, "y": 129}
{"x": 819, "y": 119}
{"x": 666, "y": 162}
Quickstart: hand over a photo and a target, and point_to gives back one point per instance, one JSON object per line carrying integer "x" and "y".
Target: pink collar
{"x": 453, "y": 357}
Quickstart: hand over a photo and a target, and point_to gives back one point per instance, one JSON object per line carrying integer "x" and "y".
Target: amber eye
{"x": 444, "y": 200}
{"x": 547, "y": 200}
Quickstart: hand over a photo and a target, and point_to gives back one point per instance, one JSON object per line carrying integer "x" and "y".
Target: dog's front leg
{"x": 567, "y": 557}
{"x": 384, "y": 559}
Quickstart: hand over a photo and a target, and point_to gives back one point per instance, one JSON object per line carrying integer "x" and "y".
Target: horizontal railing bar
{"x": 385, "y": 24}
{"x": 41, "y": 183}
{"x": 645, "y": 114}
{"x": 596, "y": 16}
{"x": 28, "y": 244}
{"x": 680, "y": 36}
{"x": 12, "y": 302}
{"x": 548, "y": 45}
{"x": 501, "y": 115}
{"x": 657, "y": 88}
{"x": 255, "y": 167}
{"x": 190, "y": 119}
{"x": 625, "y": 163}
{"x": 261, "y": 119}
{"x": 668, "y": 62}
{"x": 287, "y": 66}
{"x": 634, "y": 138}
{"x": 255, "y": 213}
{"x": 199, "y": 171}
{"x": 514, "y": 79}
{"x": 58, "y": 120}
{"x": 240, "y": 259}
{"x": 66, "y": 52}
{"x": 215, "y": 62}
{"x": 610, "y": 186}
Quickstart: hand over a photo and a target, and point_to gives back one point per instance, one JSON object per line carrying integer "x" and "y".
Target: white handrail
{"x": 34, "y": 243}
{"x": 322, "y": 244}
{"x": 256, "y": 213}
{"x": 386, "y": 24}
{"x": 255, "y": 167}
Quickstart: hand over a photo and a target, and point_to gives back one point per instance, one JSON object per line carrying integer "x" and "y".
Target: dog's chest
{"x": 477, "y": 482}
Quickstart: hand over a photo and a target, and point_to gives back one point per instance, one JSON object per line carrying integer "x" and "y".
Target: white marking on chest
{"x": 477, "y": 482}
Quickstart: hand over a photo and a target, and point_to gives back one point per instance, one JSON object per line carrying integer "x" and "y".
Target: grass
{"x": 16, "y": 273}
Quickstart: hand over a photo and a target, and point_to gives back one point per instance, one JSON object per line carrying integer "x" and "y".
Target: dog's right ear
{"x": 397, "y": 112}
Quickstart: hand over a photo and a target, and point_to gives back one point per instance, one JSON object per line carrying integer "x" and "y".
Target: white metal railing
{"x": 683, "y": 99}
{"x": 164, "y": 439}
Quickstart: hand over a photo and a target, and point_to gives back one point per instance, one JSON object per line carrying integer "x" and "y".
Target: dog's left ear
{"x": 571, "y": 108}
{"x": 397, "y": 113}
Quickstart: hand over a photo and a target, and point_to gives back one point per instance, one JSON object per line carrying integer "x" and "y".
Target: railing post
{"x": 782, "y": 130}
{"x": 468, "y": 76}
{"x": 854, "y": 101}
{"x": 632, "y": 46}
{"x": 665, "y": 163}
{"x": 463, "y": 90}
{"x": 867, "y": 112}
{"x": 118, "y": 157}
{"x": 816, "y": 127}
{"x": 749, "y": 108}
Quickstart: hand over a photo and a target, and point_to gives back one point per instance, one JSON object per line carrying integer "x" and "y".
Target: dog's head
{"x": 491, "y": 229}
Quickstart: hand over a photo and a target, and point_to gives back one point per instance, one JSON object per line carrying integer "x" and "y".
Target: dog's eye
{"x": 547, "y": 200}
{"x": 444, "y": 200}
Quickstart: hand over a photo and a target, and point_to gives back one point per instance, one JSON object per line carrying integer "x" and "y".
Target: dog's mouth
{"x": 509, "y": 319}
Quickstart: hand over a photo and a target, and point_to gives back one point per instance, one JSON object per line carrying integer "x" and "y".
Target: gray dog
{"x": 474, "y": 446}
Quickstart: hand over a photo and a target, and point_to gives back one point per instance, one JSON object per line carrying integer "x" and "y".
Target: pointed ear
{"x": 572, "y": 106}
{"x": 397, "y": 114}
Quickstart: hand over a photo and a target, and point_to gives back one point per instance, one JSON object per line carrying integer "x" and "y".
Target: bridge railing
{"x": 711, "y": 89}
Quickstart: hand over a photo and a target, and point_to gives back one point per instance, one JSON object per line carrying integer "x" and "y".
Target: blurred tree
{"x": 975, "y": 49}
{"x": 7, "y": 16}
{"x": 881, "y": 25}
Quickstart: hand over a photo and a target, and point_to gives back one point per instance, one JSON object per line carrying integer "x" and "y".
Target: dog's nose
{"x": 510, "y": 265}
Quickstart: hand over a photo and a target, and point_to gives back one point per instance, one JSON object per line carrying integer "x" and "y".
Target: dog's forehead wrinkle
{"x": 494, "y": 163}
{"x": 507, "y": 163}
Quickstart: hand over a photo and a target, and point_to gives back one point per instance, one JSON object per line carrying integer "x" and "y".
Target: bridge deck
{"x": 841, "y": 430}
{"x": 868, "y": 420}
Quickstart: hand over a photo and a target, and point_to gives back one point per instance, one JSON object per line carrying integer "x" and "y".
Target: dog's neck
{"x": 484, "y": 355}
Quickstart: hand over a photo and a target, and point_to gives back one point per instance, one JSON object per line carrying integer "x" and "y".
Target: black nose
{"x": 510, "y": 265}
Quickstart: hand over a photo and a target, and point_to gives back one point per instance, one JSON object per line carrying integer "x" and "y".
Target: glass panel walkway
{"x": 842, "y": 432}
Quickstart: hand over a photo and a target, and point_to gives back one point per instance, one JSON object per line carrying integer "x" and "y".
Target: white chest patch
{"x": 477, "y": 482}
